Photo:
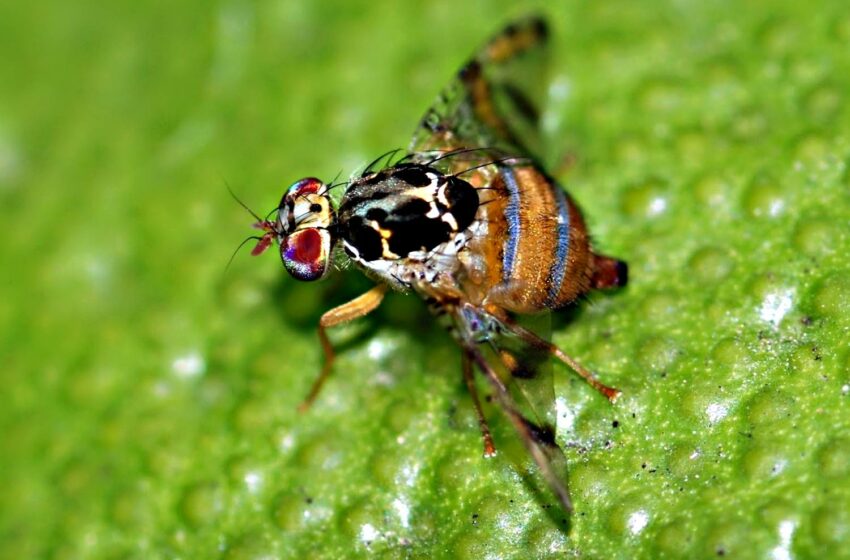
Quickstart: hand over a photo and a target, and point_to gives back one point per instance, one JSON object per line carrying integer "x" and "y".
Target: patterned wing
{"x": 531, "y": 371}
{"x": 519, "y": 374}
{"x": 526, "y": 394}
{"x": 495, "y": 100}
{"x": 527, "y": 374}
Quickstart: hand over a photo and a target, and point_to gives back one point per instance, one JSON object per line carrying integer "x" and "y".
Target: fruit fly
{"x": 468, "y": 220}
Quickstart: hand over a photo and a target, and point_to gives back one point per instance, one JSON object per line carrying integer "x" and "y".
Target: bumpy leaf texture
{"x": 149, "y": 397}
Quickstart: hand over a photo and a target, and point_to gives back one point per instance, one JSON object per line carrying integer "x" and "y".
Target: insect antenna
{"x": 233, "y": 256}
{"x": 243, "y": 205}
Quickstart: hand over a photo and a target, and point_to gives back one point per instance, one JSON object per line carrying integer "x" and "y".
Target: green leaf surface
{"x": 149, "y": 397}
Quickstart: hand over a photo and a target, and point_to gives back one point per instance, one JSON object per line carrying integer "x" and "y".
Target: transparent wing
{"x": 521, "y": 378}
{"x": 531, "y": 372}
{"x": 495, "y": 100}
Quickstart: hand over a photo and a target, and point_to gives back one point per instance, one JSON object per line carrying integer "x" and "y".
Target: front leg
{"x": 354, "y": 309}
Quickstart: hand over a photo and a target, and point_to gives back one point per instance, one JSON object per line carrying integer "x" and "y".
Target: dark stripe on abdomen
{"x": 558, "y": 270}
{"x": 512, "y": 219}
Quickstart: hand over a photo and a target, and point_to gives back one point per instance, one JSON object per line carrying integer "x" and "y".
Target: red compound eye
{"x": 308, "y": 185}
{"x": 305, "y": 253}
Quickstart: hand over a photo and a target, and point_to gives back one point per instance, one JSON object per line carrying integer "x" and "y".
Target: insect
{"x": 468, "y": 220}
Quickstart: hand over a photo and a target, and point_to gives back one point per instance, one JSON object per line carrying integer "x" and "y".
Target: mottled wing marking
{"x": 531, "y": 370}
{"x": 518, "y": 375}
{"x": 494, "y": 104}
{"x": 531, "y": 386}
{"x": 494, "y": 101}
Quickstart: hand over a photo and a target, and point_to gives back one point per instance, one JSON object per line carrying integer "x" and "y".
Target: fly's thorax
{"x": 406, "y": 223}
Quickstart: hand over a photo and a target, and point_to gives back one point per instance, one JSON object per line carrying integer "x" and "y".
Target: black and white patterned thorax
{"x": 406, "y": 223}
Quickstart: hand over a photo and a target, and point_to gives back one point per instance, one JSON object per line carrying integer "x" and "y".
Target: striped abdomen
{"x": 533, "y": 250}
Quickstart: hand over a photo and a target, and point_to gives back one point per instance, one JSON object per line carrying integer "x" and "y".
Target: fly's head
{"x": 302, "y": 228}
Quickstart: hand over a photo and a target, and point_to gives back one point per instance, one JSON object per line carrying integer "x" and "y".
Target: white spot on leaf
{"x": 368, "y": 533}
{"x": 253, "y": 480}
{"x": 775, "y": 306}
{"x": 786, "y": 535}
{"x": 638, "y": 521}
{"x": 716, "y": 412}
{"x": 403, "y": 511}
{"x": 189, "y": 365}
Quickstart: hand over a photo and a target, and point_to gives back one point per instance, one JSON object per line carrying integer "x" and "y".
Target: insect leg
{"x": 489, "y": 448}
{"x": 356, "y": 308}
{"x": 610, "y": 393}
{"x": 538, "y": 440}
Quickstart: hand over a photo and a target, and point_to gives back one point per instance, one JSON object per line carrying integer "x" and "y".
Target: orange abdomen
{"x": 533, "y": 244}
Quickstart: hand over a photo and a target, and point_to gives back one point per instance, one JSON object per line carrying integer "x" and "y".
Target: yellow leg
{"x": 611, "y": 393}
{"x": 354, "y": 309}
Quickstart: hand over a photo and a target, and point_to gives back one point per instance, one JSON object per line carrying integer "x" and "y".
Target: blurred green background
{"x": 148, "y": 397}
